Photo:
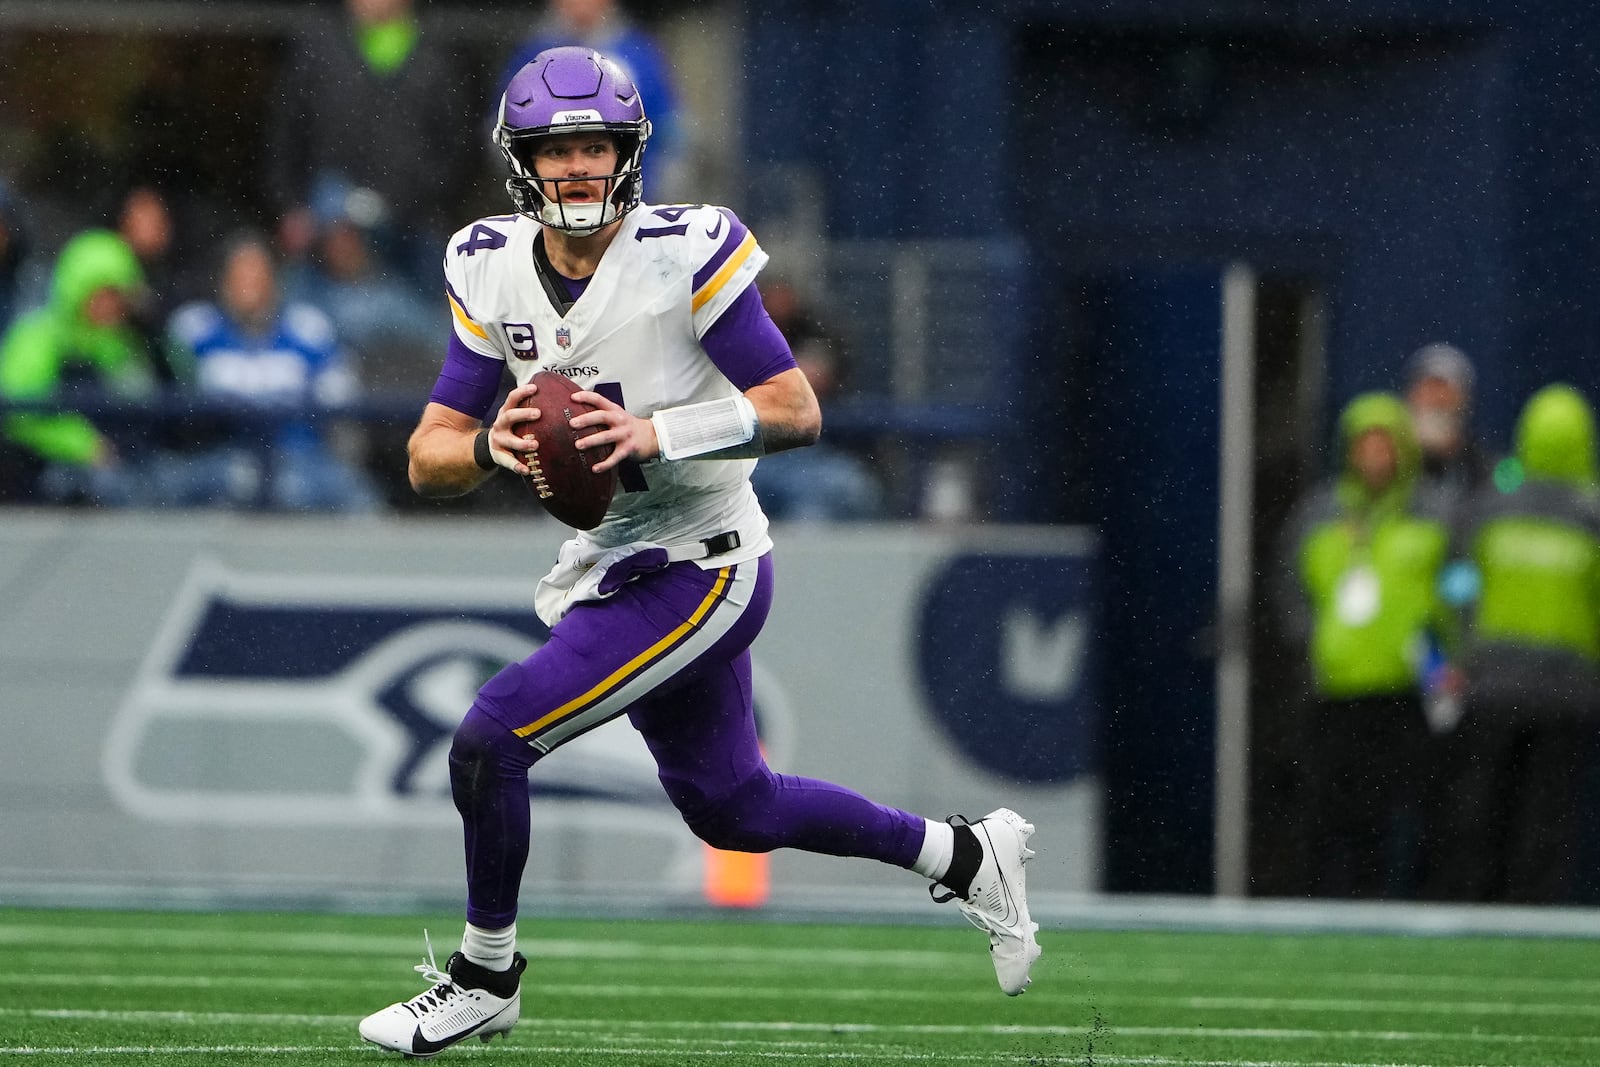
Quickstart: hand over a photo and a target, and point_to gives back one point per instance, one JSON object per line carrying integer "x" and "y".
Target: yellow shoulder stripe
{"x": 719, "y": 279}
{"x": 462, "y": 317}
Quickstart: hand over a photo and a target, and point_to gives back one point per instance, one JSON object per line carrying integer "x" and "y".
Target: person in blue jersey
{"x": 654, "y": 311}
{"x": 278, "y": 365}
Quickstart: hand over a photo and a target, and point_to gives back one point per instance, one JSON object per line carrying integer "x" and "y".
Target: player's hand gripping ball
{"x": 562, "y": 478}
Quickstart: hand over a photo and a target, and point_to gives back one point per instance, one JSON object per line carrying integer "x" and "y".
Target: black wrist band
{"x": 480, "y": 451}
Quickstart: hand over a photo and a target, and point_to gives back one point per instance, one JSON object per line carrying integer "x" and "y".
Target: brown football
{"x": 562, "y": 480}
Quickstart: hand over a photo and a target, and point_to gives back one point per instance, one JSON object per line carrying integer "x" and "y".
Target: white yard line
{"x": 621, "y": 1028}
{"x": 844, "y": 1055}
{"x": 1344, "y": 1004}
{"x": 1059, "y": 911}
{"x": 1065, "y": 980}
{"x": 58, "y": 938}
{"x": 171, "y": 1050}
{"x": 748, "y": 992}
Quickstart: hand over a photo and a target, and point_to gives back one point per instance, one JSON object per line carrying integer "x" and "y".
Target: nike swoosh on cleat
{"x": 421, "y": 1046}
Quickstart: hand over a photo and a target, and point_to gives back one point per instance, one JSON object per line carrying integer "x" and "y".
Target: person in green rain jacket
{"x": 1532, "y": 663}
{"x": 1366, "y": 552}
{"x": 81, "y": 337}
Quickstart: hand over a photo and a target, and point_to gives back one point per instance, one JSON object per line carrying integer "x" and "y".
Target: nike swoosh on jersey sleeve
{"x": 725, "y": 249}
{"x": 729, "y": 270}
{"x": 726, "y": 273}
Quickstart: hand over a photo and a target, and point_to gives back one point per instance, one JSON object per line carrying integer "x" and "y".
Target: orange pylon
{"x": 737, "y": 879}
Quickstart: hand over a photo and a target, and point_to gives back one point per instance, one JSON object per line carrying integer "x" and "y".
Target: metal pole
{"x": 1235, "y": 508}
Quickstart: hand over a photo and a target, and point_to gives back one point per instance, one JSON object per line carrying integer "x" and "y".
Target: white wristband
{"x": 716, "y": 429}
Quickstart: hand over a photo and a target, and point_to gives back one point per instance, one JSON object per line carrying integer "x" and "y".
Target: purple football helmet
{"x": 572, "y": 90}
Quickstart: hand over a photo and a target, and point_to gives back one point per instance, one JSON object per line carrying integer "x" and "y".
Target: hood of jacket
{"x": 1555, "y": 437}
{"x": 1386, "y": 412}
{"x": 93, "y": 260}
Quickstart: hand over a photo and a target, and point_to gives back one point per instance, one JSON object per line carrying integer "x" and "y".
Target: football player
{"x": 654, "y": 310}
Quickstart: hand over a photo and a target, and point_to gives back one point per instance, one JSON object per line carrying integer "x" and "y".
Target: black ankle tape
{"x": 965, "y": 859}
{"x": 470, "y": 975}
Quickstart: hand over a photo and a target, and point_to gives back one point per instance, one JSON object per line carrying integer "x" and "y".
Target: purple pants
{"x": 671, "y": 649}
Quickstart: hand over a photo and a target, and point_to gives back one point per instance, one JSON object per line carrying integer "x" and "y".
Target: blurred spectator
{"x": 606, "y": 27}
{"x": 1532, "y": 665}
{"x": 281, "y": 365}
{"x": 1439, "y": 384}
{"x": 1366, "y": 550}
{"x": 377, "y": 104}
{"x": 393, "y": 333}
{"x": 80, "y": 341}
{"x": 792, "y": 314}
{"x": 823, "y": 483}
{"x": 13, "y": 252}
{"x": 144, "y": 222}
{"x": 144, "y": 219}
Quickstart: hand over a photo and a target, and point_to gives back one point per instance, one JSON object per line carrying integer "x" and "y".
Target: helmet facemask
{"x": 623, "y": 188}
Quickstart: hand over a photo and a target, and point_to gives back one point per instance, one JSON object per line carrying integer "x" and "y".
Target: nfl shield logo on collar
{"x": 563, "y": 338}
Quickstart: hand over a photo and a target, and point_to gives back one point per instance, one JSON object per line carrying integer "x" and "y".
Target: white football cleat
{"x": 997, "y": 901}
{"x": 466, "y": 1000}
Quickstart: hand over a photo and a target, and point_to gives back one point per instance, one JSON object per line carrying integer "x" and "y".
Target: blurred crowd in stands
{"x": 159, "y": 357}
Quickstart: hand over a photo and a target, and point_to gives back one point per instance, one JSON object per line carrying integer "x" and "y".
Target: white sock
{"x": 490, "y": 948}
{"x": 938, "y": 849}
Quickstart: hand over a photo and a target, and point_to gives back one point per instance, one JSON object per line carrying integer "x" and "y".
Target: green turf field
{"x": 103, "y": 987}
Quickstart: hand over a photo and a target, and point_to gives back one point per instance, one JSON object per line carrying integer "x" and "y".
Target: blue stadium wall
{"x": 1428, "y": 167}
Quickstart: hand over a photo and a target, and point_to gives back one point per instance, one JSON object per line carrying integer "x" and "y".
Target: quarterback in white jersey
{"x": 655, "y": 311}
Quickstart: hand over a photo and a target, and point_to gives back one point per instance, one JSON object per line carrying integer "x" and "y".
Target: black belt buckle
{"x": 723, "y": 542}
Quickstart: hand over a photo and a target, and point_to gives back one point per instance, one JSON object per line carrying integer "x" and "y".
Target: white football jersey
{"x": 632, "y": 336}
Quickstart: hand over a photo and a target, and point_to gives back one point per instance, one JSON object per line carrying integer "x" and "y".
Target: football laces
{"x": 536, "y": 475}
